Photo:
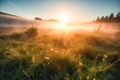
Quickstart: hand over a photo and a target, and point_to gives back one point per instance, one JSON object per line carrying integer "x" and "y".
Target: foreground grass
{"x": 42, "y": 55}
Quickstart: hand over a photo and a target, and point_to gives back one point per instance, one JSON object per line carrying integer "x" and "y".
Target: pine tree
{"x": 102, "y": 19}
{"x": 98, "y": 19}
{"x": 111, "y": 17}
{"x": 117, "y": 18}
{"x": 106, "y": 19}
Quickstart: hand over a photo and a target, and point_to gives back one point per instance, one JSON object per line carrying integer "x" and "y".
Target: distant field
{"x": 35, "y": 53}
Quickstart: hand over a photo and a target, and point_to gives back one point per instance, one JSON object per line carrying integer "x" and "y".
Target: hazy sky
{"x": 83, "y": 10}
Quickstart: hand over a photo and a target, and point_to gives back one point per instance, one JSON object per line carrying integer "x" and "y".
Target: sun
{"x": 64, "y": 18}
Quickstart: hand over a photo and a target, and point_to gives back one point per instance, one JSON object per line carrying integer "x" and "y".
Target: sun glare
{"x": 63, "y": 18}
{"x": 63, "y": 24}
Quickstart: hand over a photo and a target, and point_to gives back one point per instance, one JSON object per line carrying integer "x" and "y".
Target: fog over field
{"x": 7, "y": 20}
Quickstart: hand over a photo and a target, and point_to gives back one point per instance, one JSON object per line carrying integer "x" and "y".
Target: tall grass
{"x": 40, "y": 55}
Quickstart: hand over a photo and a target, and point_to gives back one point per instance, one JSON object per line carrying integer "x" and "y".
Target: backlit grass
{"x": 41, "y": 55}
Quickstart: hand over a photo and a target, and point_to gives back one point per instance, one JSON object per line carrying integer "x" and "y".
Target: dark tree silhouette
{"x": 102, "y": 19}
{"x": 111, "y": 18}
{"x": 118, "y": 15}
{"x": 106, "y": 19}
{"x": 117, "y": 18}
{"x": 98, "y": 19}
{"x": 37, "y": 19}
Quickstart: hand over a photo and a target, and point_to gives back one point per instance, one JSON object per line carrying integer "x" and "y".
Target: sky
{"x": 78, "y": 10}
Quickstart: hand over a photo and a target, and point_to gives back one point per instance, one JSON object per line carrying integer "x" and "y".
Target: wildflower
{"x": 32, "y": 49}
{"x": 80, "y": 56}
{"x": 67, "y": 75}
{"x": 68, "y": 50}
{"x": 80, "y": 64}
{"x": 47, "y": 58}
{"x": 17, "y": 54}
{"x": 103, "y": 59}
{"x": 93, "y": 78}
{"x": 48, "y": 63}
{"x": 27, "y": 52}
{"x": 51, "y": 49}
{"x": 105, "y": 56}
{"x": 87, "y": 77}
{"x": 33, "y": 58}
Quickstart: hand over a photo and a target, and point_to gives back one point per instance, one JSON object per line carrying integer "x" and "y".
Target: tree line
{"x": 110, "y": 18}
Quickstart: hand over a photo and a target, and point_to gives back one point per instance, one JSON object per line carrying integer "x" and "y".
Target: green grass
{"x": 41, "y": 55}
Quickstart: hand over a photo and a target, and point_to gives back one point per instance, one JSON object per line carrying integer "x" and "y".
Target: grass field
{"x": 44, "y": 55}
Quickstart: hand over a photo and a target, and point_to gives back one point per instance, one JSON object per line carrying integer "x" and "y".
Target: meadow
{"x": 44, "y": 54}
